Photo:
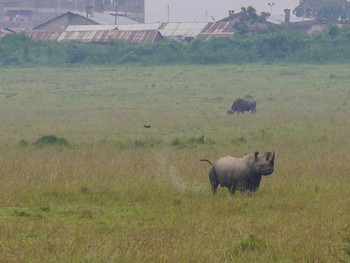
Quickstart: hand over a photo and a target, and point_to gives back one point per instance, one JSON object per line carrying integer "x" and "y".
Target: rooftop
{"x": 279, "y": 19}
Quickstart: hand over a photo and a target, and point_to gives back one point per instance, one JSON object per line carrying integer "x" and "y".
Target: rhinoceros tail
{"x": 205, "y": 160}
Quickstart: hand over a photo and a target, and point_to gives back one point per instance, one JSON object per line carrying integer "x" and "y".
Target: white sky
{"x": 207, "y": 10}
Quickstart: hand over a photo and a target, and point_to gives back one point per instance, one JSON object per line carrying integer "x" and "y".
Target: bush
{"x": 51, "y": 140}
{"x": 23, "y": 143}
{"x": 177, "y": 142}
{"x": 239, "y": 141}
{"x": 199, "y": 140}
{"x": 147, "y": 143}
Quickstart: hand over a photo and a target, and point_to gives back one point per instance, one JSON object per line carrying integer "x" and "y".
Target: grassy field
{"x": 122, "y": 193}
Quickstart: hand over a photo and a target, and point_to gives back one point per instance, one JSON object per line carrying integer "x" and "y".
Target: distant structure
{"x": 28, "y": 14}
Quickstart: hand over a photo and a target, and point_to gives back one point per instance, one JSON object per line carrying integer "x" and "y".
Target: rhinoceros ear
{"x": 273, "y": 158}
{"x": 256, "y": 154}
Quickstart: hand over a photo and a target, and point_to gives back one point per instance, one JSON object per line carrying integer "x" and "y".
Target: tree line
{"x": 324, "y": 10}
{"x": 329, "y": 46}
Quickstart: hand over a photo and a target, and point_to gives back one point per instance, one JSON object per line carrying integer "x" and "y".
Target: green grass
{"x": 122, "y": 193}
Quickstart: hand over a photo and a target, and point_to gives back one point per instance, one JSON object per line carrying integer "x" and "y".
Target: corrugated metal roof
{"x": 134, "y": 37}
{"x": 44, "y": 36}
{"x": 181, "y": 29}
{"x": 279, "y": 19}
{"x": 217, "y": 28}
{"x": 166, "y": 29}
{"x": 88, "y": 33}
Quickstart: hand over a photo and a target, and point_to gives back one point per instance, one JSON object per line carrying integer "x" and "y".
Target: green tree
{"x": 248, "y": 19}
{"x": 325, "y": 10}
{"x": 15, "y": 49}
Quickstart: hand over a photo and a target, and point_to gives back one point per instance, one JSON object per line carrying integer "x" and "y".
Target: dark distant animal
{"x": 242, "y": 173}
{"x": 241, "y": 105}
{"x": 147, "y": 126}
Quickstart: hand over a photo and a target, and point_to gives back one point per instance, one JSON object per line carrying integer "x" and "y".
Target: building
{"x": 60, "y": 22}
{"x": 72, "y": 26}
{"x": 28, "y": 14}
{"x": 97, "y": 34}
{"x": 79, "y": 28}
{"x": 286, "y": 21}
{"x": 296, "y": 24}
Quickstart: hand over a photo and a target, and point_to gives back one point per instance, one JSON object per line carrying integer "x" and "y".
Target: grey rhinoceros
{"x": 242, "y": 105}
{"x": 240, "y": 173}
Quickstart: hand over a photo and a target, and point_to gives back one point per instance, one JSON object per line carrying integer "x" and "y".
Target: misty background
{"x": 208, "y": 10}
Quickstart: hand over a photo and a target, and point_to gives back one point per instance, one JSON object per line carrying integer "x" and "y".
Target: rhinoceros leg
{"x": 213, "y": 181}
{"x": 232, "y": 189}
{"x": 253, "y": 185}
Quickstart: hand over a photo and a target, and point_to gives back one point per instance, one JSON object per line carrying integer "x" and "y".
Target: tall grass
{"x": 122, "y": 193}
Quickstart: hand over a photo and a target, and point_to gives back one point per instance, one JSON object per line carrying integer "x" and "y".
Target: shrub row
{"x": 330, "y": 46}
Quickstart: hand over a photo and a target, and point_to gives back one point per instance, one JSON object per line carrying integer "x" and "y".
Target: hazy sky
{"x": 207, "y": 10}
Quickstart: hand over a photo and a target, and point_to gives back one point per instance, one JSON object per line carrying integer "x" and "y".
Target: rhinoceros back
{"x": 229, "y": 168}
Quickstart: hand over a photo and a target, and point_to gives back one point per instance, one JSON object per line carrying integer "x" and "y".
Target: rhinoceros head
{"x": 264, "y": 164}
